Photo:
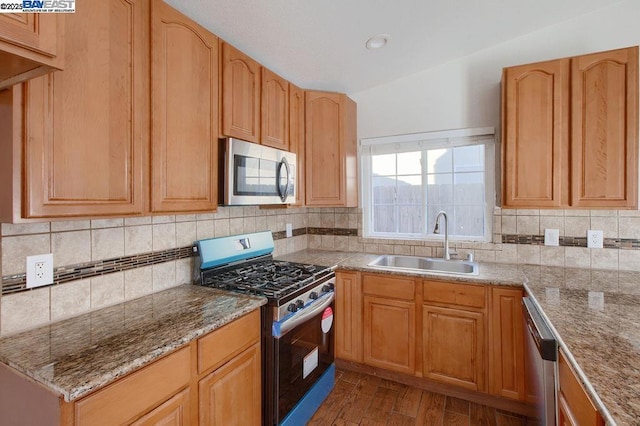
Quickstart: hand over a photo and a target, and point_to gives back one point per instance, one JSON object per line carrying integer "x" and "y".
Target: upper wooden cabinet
{"x": 536, "y": 134}
{"x": 274, "y": 123}
{"x": 604, "y": 129}
{"x": 84, "y": 130}
{"x": 184, "y": 113}
{"x": 28, "y": 46}
{"x": 241, "y": 80}
{"x": 570, "y": 132}
{"x": 296, "y": 138}
{"x": 330, "y": 150}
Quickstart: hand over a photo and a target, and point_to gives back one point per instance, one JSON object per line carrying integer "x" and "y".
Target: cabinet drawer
{"x": 137, "y": 393}
{"x": 573, "y": 397}
{"x": 387, "y": 286}
{"x": 221, "y": 345}
{"x": 473, "y": 296}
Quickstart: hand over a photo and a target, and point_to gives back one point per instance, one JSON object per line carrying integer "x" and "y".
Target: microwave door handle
{"x": 283, "y": 193}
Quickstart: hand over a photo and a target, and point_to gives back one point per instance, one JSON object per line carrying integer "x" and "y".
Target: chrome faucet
{"x": 436, "y": 230}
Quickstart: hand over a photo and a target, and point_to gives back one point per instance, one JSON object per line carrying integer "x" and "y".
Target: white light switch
{"x": 551, "y": 237}
{"x": 595, "y": 239}
{"x": 289, "y": 230}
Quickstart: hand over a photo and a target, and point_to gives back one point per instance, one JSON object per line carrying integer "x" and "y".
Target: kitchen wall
{"x": 126, "y": 258}
{"x": 466, "y": 92}
{"x": 108, "y": 261}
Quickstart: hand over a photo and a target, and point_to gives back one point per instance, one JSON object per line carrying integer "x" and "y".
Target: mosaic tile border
{"x": 612, "y": 243}
{"x": 343, "y": 232}
{"x": 18, "y": 282}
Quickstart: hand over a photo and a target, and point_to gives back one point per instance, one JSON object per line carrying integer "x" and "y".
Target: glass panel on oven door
{"x": 304, "y": 354}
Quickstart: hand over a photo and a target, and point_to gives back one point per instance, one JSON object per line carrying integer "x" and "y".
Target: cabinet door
{"x": 507, "y": 375}
{"x": 184, "y": 113}
{"x": 296, "y": 138}
{"x": 232, "y": 394}
{"x": 605, "y": 129}
{"x": 575, "y": 407}
{"x": 28, "y": 46}
{"x": 454, "y": 347}
{"x": 274, "y": 110}
{"x": 535, "y": 140}
{"x": 240, "y": 95}
{"x": 173, "y": 412}
{"x": 390, "y": 334}
{"x": 349, "y": 316}
{"x": 87, "y": 127}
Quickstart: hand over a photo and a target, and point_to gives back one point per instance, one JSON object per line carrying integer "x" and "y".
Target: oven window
{"x": 254, "y": 176}
{"x": 303, "y": 355}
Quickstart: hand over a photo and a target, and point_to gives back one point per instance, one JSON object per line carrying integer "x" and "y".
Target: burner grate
{"x": 269, "y": 278}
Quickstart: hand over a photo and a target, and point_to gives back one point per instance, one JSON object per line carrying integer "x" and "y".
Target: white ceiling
{"x": 319, "y": 44}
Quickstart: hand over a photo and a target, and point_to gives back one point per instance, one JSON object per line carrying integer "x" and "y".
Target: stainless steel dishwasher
{"x": 542, "y": 351}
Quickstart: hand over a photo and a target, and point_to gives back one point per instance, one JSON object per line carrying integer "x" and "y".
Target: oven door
{"x": 303, "y": 354}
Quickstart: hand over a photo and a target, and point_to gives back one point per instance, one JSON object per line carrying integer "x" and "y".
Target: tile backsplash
{"x": 103, "y": 262}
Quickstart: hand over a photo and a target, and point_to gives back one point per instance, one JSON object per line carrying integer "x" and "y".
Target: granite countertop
{"x": 488, "y": 273}
{"x": 78, "y": 355}
{"x": 595, "y": 314}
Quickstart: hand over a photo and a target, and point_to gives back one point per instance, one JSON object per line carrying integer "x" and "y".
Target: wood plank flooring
{"x": 361, "y": 399}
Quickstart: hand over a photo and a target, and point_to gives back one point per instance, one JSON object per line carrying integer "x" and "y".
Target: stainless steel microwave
{"x": 257, "y": 174}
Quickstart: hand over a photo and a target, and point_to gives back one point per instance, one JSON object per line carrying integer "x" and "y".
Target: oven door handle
{"x": 279, "y": 329}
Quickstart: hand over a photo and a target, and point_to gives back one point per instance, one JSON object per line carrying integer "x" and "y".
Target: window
{"x": 408, "y": 179}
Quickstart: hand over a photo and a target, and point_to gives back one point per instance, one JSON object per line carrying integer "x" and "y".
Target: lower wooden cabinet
{"x": 172, "y": 390}
{"x": 232, "y": 393}
{"x": 506, "y": 344}
{"x": 574, "y": 406}
{"x": 454, "y": 346}
{"x": 136, "y": 394}
{"x": 389, "y": 323}
{"x": 348, "y": 316}
{"x": 174, "y": 412}
{"x": 389, "y": 334}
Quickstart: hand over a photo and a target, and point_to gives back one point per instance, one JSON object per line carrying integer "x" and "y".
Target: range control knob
{"x": 299, "y": 304}
{"x": 313, "y": 295}
{"x": 292, "y": 307}
{"x": 327, "y": 287}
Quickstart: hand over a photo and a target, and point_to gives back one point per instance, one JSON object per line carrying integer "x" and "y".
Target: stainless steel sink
{"x": 427, "y": 264}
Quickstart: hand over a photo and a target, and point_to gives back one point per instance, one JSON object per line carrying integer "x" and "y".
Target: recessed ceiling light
{"x": 378, "y": 41}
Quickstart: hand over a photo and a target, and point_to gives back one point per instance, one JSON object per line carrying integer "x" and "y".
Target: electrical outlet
{"x": 595, "y": 239}
{"x": 39, "y": 270}
{"x": 551, "y": 237}
{"x": 289, "y": 230}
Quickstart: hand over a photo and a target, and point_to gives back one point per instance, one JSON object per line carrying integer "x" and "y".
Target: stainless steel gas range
{"x": 297, "y": 321}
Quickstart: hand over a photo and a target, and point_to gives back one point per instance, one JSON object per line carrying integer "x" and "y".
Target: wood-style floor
{"x": 361, "y": 399}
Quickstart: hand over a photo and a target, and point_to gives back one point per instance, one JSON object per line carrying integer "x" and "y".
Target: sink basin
{"x": 427, "y": 264}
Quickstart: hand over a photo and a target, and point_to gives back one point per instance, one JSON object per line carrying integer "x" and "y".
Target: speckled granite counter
{"x": 75, "y": 356}
{"x": 594, "y": 313}
{"x": 494, "y": 273}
